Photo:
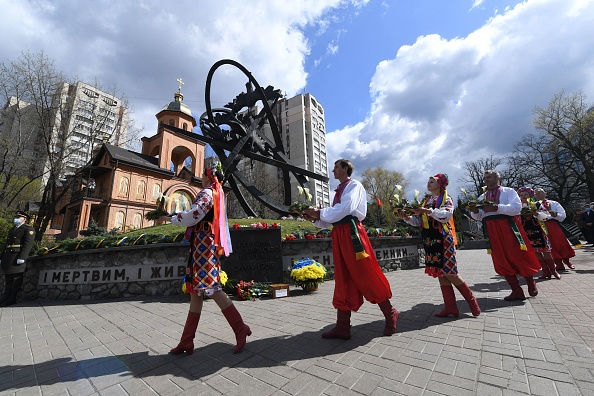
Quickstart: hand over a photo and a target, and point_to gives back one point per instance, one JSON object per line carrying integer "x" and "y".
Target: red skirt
{"x": 560, "y": 247}
{"x": 508, "y": 258}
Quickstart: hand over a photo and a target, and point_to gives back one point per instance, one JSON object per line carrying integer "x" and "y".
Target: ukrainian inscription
{"x": 125, "y": 273}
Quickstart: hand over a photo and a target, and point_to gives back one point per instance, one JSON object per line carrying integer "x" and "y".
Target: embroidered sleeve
{"x": 201, "y": 206}
{"x": 445, "y": 212}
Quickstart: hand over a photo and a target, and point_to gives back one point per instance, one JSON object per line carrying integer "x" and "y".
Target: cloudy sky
{"x": 418, "y": 87}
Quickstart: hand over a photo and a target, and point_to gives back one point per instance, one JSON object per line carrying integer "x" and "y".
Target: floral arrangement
{"x": 259, "y": 225}
{"x": 308, "y": 235}
{"x": 400, "y": 204}
{"x": 298, "y": 207}
{"x": 307, "y": 273}
{"x": 252, "y": 290}
{"x": 160, "y": 211}
{"x": 470, "y": 202}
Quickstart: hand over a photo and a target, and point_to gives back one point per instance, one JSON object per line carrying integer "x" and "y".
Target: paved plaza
{"x": 541, "y": 346}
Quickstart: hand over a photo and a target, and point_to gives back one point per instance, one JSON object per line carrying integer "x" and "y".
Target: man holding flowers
{"x": 510, "y": 247}
{"x": 561, "y": 249}
{"x": 356, "y": 271}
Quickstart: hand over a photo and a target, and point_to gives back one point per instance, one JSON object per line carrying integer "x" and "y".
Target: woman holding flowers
{"x": 439, "y": 240}
{"x": 208, "y": 235}
{"x": 537, "y": 232}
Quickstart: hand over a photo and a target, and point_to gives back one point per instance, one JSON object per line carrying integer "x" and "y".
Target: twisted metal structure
{"x": 235, "y": 132}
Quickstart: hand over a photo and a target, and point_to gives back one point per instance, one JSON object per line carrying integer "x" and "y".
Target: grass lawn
{"x": 287, "y": 227}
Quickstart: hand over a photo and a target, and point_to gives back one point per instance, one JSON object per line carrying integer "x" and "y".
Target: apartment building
{"x": 87, "y": 117}
{"x": 302, "y": 127}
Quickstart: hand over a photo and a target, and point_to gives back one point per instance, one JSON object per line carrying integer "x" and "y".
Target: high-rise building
{"x": 87, "y": 117}
{"x": 302, "y": 127}
{"x": 63, "y": 132}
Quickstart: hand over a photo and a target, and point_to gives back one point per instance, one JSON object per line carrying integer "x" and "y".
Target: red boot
{"x": 391, "y": 316}
{"x": 546, "y": 273}
{"x": 517, "y": 292}
{"x": 449, "y": 298}
{"x": 568, "y": 264}
{"x": 559, "y": 265}
{"x": 469, "y": 297}
{"x": 553, "y": 268}
{"x": 532, "y": 290}
{"x": 343, "y": 326}
{"x": 241, "y": 330}
{"x": 186, "y": 344}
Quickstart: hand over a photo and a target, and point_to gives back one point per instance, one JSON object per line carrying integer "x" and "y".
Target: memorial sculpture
{"x": 235, "y": 132}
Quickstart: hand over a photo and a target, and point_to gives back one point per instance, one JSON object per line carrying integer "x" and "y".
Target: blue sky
{"x": 375, "y": 33}
{"x": 418, "y": 87}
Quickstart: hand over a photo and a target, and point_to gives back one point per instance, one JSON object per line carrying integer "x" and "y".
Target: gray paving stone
{"x": 118, "y": 346}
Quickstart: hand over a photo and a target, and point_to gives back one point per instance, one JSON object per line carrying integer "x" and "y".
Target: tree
{"x": 475, "y": 171}
{"x": 45, "y": 140}
{"x": 569, "y": 121}
{"x": 538, "y": 161}
{"x": 382, "y": 184}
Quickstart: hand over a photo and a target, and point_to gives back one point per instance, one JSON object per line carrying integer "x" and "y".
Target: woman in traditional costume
{"x": 536, "y": 230}
{"x": 435, "y": 218}
{"x": 208, "y": 236}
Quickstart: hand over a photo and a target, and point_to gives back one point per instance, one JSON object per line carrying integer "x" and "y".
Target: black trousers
{"x": 12, "y": 285}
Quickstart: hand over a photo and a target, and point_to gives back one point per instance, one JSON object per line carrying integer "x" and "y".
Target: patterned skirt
{"x": 538, "y": 238}
{"x": 203, "y": 270}
{"x": 440, "y": 253}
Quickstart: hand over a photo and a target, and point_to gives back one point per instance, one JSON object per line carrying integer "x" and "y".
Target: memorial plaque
{"x": 256, "y": 255}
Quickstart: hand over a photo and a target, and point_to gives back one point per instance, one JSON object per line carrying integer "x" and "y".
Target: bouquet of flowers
{"x": 470, "y": 202}
{"x": 401, "y": 204}
{"x": 160, "y": 211}
{"x": 308, "y": 273}
{"x": 252, "y": 290}
{"x": 298, "y": 207}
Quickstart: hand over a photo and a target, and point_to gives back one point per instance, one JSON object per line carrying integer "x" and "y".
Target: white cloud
{"x": 144, "y": 47}
{"x": 440, "y": 103}
{"x": 476, "y": 3}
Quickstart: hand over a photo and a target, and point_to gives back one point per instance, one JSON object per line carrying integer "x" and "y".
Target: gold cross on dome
{"x": 180, "y": 83}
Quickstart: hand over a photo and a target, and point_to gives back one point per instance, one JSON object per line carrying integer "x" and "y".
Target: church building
{"x": 118, "y": 187}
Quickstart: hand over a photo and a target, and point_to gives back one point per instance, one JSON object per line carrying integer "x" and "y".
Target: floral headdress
{"x": 442, "y": 179}
{"x": 220, "y": 224}
{"x": 526, "y": 189}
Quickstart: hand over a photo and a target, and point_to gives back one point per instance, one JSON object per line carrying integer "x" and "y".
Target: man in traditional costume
{"x": 561, "y": 250}
{"x": 510, "y": 248}
{"x": 357, "y": 273}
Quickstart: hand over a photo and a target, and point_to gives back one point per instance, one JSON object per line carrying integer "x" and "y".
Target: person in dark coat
{"x": 588, "y": 222}
{"x": 13, "y": 261}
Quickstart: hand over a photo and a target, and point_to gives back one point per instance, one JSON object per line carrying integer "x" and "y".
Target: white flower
{"x": 307, "y": 194}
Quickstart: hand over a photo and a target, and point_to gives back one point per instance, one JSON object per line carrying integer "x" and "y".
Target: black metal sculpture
{"x": 234, "y": 134}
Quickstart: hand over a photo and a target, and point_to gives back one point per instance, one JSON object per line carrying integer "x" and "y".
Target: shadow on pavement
{"x": 205, "y": 361}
